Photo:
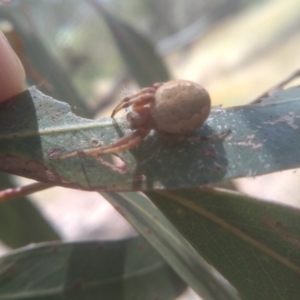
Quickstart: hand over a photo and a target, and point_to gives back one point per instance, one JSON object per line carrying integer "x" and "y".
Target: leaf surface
{"x": 21, "y": 223}
{"x": 170, "y": 244}
{"x": 128, "y": 269}
{"x": 35, "y": 129}
{"x": 255, "y": 244}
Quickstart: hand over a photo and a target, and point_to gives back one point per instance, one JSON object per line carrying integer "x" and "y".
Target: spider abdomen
{"x": 180, "y": 107}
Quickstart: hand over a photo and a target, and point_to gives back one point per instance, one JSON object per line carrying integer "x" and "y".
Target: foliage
{"x": 253, "y": 243}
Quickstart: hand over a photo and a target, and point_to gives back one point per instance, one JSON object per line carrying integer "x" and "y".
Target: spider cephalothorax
{"x": 174, "y": 109}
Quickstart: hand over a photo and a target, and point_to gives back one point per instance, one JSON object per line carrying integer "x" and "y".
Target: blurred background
{"x": 236, "y": 49}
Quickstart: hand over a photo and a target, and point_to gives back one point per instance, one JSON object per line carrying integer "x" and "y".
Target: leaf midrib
{"x": 242, "y": 235}
{"x": 58, "y": 129}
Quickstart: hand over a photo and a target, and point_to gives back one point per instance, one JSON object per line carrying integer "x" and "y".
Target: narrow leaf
{"x": 169, "y": 243}
{"x": 138, "y": 53}
{"x": 128, "y": 269}
{"x": 255, "y": 244}
{"x": 35, "y": 129}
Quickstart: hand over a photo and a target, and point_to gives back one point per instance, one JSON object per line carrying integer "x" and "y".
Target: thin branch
{"x": 17, "y": 192}
{"x": 277, "y": 87}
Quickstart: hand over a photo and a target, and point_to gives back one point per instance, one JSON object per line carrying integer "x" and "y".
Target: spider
{"x": 173, "y": 109}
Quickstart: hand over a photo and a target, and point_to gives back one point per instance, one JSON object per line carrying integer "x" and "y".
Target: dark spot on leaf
{"x": 95, "y": 143}
{"x": 210, "y": 152}
{"x": 76, "y": 285}
{"x": 139, "y": 177}
{"x": 141, "y": 246}
{"x": 7, "y": 272}
{"x": 55, "y": 249}
{"x": 280, "y": 226}
{"x": 154, "y": 217}
{"x": 149, "y": 231}
{"x": 52, "y": 154}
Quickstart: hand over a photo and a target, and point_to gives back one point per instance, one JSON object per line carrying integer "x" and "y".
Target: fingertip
{"x": 12, "y": 74}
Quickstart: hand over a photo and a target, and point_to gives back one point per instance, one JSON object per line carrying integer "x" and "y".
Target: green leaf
{"x": 21, "y": 223}
{"x": 35, "y": 129}
{"x": 170, "y": 244}
{"x": 139, "y": 54}
{"x": 128, "y": 269}
{"x": 253, "y": 243}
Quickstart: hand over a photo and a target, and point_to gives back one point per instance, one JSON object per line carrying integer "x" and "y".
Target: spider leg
{"x": 139, "y": 100}
{"x": 158, "y": 84}
{"x": 123, "y": 144}
{"x": 127, "y": 101}
{"x": 112, "y": 166}
{"x": 185, "y": 138}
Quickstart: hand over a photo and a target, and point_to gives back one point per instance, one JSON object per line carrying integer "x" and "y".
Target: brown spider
{"x": 173, "y": 109}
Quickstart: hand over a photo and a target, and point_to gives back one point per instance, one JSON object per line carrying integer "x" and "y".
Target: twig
{"x": 277, "y": 87}
{"x": 17, "y": 192}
